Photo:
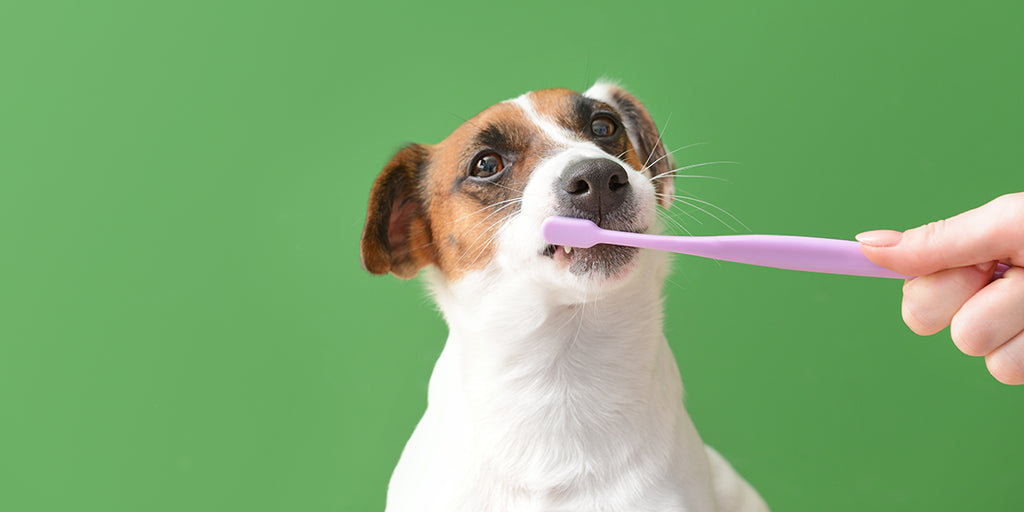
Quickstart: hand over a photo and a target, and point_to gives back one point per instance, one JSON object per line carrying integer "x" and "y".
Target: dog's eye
{"x": 602, "y": 126}
{"x": 486, "y": 166}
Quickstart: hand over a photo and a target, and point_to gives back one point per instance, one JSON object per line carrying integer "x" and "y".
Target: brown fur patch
{"x": 467, "y": 212}
{"x": 425, "y": 208}
{"x": 396, "y": 237}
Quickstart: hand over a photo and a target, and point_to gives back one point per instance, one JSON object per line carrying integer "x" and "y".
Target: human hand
{"x": 955, "y": 259}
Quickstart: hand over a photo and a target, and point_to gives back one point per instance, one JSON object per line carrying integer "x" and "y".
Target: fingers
{"x": 930, "y": 302}
{"x": 991, "y": 324}
{"x": 986, "y": 319}
{"x": 992, "y": 316}
{"x": 1006, "y": 363}
{"x": 955, "y": 259}
{"x": 994, "y": 231}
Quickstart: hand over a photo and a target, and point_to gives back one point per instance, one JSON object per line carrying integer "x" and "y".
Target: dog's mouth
{"x": 601, "y": 259}
{"x": 558, "y": 252}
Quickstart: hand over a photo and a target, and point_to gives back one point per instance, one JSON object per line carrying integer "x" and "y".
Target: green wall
{"x": 184, "y": 325}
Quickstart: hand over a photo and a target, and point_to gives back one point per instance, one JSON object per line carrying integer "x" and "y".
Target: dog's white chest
{"x": 602, "y": 429}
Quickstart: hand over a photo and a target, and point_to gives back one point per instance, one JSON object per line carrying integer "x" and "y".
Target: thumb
{"x": 991, "y": 232}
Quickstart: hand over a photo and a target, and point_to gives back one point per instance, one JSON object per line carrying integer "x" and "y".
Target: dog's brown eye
{"x": 486, "y": 166}
{"x": 602, "y": 126}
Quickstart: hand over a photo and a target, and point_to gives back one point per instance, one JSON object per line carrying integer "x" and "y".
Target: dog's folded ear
{"x": 397, "y": 237}
{"x": 643, "y": 134}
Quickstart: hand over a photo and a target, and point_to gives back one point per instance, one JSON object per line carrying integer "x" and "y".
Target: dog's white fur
{"x": 559, "y": 392}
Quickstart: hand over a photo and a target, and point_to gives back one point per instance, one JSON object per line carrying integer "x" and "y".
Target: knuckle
{"x": 934, "y": 230}
{"x": 923, "y": 244}
{"x": 1009, "y": 215}
{"x": 1012, "y": 202}
{"x": 923, "y": 237}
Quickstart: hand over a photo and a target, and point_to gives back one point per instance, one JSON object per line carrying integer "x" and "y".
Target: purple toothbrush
{"x": 823, "y": 255}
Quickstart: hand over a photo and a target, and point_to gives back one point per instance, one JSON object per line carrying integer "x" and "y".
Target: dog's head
{"x": 476, "y": 200}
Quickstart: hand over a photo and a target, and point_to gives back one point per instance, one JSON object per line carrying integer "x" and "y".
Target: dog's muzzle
{"x": 596, "y": 189}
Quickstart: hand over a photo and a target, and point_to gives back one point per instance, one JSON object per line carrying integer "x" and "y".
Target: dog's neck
{"x": 519, "y": 329}
{"x": 552, "y": 384}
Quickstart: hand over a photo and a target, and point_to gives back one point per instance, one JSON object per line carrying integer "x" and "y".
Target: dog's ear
{"x": 397, "y": 237}
{"x": 643, "y": 134}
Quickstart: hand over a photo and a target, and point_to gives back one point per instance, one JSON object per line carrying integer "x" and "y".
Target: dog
{"x": 556, "y": 389}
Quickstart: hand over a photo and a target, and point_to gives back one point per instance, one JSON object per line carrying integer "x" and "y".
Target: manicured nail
{"x": 880, "y": 238}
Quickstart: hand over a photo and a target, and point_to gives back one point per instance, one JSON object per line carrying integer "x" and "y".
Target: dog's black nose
{"x": 595, "y": 186}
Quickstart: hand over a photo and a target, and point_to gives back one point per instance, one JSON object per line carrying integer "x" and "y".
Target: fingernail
{"x": 987, "y": 267}
{"x": 880, "y": 238}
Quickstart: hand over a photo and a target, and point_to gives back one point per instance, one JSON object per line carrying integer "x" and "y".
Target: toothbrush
{"x": 808, "y": 254}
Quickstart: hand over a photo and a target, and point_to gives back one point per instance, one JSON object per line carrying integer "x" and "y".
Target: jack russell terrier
{"x": 556, "y": 389}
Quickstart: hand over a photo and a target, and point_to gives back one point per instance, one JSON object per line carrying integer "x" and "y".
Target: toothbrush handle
{"x": 809, "y": 254}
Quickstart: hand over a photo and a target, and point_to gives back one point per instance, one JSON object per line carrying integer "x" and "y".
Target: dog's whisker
{"x": 483, "y": 248}
{"x": 666, "y": 155}
{"x": 715, "y": 206}
{"x": 673, "y": 211}
{"x": 655, "y": 147}
{"x": 701, "y": 176}
{"x": 490, "y": 239}
{"x": 693, "y": 166}
{"x": 502, "y": 207}
{"x": 506, "y": 202}
{"x": 579, "y": 326}
{"x": 485, "y": 208}
{"x": 490, "y": 231}
{"x": 457, "y": 116}
{"x": 485, "y": 231}
{"x": 665, "y": 216}
{"x": 726, "y": 224}
{"x": 489, "y": 215}
{"x": 504, "y": 187}
{"x": 687, "y": 201}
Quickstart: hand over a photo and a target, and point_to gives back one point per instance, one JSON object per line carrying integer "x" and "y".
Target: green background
{"x": 184, "y": 324}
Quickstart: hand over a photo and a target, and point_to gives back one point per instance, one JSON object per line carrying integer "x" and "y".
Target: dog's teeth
{"x": 568, "y": 249}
